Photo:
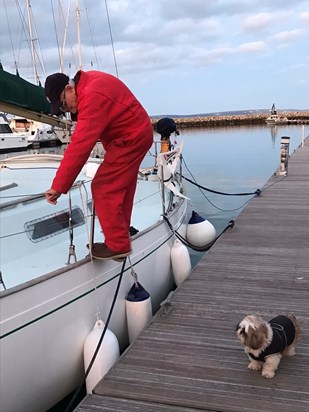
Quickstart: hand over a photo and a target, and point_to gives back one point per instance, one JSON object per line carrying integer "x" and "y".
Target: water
{"x": 231, "y": 159}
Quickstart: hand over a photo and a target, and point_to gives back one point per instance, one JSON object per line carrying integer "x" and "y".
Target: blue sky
{"x": 177, "y": 56}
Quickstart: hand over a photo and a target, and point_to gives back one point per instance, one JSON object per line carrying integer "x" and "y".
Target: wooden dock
{"x": 189, "y": 359}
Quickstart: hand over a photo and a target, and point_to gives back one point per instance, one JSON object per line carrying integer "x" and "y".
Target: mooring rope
{"x": 190, "y": 245}
{"x": 257, "y": 192}
{"x": 79, "y": 388}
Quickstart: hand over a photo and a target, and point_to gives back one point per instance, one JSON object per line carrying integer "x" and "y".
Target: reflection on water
{"x": 273, "y": 132}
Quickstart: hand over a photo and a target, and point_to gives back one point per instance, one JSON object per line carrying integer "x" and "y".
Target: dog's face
{"x": 253, "y": 332}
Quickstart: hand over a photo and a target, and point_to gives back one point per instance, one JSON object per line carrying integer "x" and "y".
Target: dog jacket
{"x": 283, "y": 335}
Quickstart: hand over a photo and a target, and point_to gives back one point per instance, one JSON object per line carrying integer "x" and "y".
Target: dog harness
{"x": 283, "y": 335}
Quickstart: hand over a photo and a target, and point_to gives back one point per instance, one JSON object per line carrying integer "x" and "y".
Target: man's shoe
{"x": 101, "y": 251}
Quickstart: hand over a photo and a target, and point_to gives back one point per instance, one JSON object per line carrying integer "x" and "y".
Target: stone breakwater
{"x": 233, "y": 120}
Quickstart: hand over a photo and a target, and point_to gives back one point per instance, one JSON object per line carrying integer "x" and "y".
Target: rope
{"x": 68, "y": 408}
{"x": 197, "y": 248}
{"x": 257, "y": 192}
{"x": 203, "y": 194}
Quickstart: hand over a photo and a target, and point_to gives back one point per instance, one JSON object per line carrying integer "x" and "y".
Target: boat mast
{"x": 32, "y": 40}
{"x": 78, "y": 34}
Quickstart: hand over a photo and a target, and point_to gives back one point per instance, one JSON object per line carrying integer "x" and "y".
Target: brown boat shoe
{"x": 101, "y": 251}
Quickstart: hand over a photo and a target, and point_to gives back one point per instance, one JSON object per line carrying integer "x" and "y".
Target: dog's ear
{"x": 256, "y": 337}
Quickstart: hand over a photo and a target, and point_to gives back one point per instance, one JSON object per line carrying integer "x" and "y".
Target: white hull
{"x": 13, "y": 144}
{"x": 44, "y": 321}
{"x": 10, "y": 141}
{"x": 276, "y": 119}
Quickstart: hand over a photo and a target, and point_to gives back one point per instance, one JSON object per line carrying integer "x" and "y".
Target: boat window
{"x": 5, "y": 128}
{"x": 52, "y": 225}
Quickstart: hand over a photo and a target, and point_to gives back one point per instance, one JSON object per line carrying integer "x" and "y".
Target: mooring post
{"x": 284, "y": 155}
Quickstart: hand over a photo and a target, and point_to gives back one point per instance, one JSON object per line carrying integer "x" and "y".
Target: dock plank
{"x": 189, "y": 359}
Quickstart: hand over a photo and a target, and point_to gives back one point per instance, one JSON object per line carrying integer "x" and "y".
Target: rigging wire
{"x": 111, "y": 36}
{"x": 92, "y": 37}
{"x": 37, "y": 50}
{"x": 10, "y": 34}
{"x": 55, "y": 28}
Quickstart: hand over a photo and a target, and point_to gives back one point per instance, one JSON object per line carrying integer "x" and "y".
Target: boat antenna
{"x": 111, "y": 36}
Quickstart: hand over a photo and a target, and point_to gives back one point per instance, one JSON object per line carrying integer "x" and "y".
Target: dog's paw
{"x": 268, "y": 374}
{"x": 254, "y": 366}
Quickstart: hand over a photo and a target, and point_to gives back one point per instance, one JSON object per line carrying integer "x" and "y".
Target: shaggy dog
{"x": 266, "y": 342}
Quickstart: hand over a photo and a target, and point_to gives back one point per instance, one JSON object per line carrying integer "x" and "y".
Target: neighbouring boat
{"x": 52, "y": 291}
{"x": 38, "y": 134}
{"x": 11, "y": 141}
{"x": 274, "y": 117}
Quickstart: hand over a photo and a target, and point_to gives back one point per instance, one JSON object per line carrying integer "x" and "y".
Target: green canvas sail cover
{"x": 18, "y": 92}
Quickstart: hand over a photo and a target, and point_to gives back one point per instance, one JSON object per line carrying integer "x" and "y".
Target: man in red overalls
{"x": 105, "y": 110}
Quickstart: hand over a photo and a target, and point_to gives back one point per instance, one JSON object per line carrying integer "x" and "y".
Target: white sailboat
{"x": 52, "y": 291}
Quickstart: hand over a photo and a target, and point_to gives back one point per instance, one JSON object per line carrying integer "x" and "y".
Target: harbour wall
{"x": 234, "y": 120}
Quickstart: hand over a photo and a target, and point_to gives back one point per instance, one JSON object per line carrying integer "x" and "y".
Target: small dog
{"x": 266, "y": 342}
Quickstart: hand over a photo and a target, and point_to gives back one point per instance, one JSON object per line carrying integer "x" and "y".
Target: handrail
{"x": 31, "y": 198}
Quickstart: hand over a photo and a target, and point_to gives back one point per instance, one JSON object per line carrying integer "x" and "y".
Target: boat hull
{"x": 46, "y": 321}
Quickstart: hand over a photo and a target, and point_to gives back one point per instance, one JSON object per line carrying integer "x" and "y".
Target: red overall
{"x": 109, "y": 112}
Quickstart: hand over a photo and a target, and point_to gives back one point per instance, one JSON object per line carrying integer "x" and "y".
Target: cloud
{"x": 192, "y": 43}
{"x": 304, "y": 17}
{"x": 252, "y": 46}
{"x": 257, "y": 22}
{"x": 287, "y": 36}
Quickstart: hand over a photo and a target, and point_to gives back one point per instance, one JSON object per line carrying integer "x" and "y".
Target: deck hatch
{"x": 52, "y": 225}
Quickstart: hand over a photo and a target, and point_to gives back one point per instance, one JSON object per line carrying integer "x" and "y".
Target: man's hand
{"x": 51, "y": 196}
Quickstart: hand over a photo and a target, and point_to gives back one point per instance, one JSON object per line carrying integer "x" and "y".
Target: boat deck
{"x": 188, "y": 359}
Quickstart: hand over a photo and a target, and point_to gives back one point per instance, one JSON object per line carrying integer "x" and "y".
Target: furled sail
{"x": 19, "y": 97}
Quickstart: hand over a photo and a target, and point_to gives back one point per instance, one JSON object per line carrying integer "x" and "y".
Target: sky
{"x": 179, "y": 57}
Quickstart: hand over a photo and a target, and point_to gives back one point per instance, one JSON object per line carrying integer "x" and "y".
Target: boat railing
{"x": 30, "y": 198}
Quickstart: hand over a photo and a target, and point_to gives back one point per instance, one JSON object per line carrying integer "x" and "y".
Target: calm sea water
{"x": 231, "y": 159}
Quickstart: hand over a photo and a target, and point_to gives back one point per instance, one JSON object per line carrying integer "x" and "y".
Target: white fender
{"x": 181, "y": 262}
{"x": 200, "y": 232}
{"x": 138, "y": 309}
{"x": 108, "y": 354}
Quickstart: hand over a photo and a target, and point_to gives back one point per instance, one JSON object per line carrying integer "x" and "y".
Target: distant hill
{"x": 228, "y": 113}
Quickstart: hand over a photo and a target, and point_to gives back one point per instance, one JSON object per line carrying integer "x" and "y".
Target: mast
{"x": 78, "y": 34}
{"x": 32, "y": 40}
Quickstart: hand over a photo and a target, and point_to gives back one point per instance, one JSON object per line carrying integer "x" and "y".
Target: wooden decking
{"x": 190, "y": 360}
